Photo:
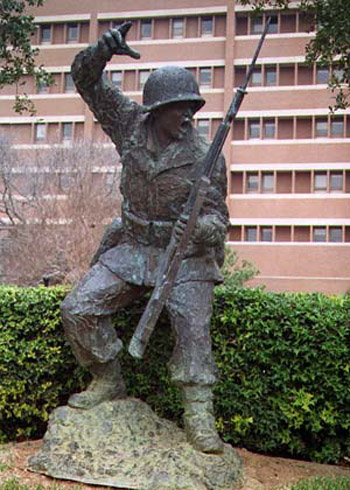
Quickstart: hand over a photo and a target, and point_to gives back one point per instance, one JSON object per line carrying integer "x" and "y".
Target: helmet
{"x": 171, "y": 84}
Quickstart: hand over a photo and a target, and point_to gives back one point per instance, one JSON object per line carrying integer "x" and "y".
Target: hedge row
{"x": 284, "y": 363}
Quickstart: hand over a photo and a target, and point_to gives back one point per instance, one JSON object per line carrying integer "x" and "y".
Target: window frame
{"x": 173, "y": 33}
{"x": 203, "y": 20}
{"x": 43, "y": 28}
{"x": 146, "y": 23}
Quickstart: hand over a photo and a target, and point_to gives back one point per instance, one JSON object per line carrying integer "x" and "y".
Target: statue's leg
{"x": 192, "y": 365}
{"x": 86, "y": 314}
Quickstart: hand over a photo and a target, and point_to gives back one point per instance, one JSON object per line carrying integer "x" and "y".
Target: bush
{"x": 284, "y": 363}
{"x": 283, "y": 359}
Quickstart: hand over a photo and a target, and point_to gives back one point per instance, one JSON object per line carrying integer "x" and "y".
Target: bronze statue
{"x": 161, "y": 155}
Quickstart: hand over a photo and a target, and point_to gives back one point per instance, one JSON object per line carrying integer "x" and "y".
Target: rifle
{"x": 176, "y": 249}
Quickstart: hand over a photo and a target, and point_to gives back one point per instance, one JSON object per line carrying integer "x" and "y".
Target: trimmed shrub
{"x": 285, "y": 372}
{"x": 283, "y": 359}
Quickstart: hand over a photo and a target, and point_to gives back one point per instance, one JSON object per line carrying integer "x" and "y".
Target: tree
{"x": 331, "y": 44}
{"x": 17, "y": 57}
{"x": 58, "y": 203}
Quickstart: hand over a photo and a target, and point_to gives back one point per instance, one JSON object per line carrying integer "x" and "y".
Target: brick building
{"x": 288, "y": 158}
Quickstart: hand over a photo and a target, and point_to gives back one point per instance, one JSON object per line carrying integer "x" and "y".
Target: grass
{"x": 15, "y": 484}
{"x": 322, "y": 483}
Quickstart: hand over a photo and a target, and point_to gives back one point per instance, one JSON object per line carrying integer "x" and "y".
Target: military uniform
{"x": 155, "y": 185}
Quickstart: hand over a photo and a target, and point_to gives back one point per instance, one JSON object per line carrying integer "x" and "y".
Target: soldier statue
{"x": 161, "y": 154}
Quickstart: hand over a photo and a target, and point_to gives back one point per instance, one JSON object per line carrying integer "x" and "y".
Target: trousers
{"x": 87, "y": 319}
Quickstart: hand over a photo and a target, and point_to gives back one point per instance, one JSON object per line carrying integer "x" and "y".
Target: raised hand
{"x": 116, "y": 42}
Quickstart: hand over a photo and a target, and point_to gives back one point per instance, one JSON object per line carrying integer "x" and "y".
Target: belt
{"x": 147, "y": 232}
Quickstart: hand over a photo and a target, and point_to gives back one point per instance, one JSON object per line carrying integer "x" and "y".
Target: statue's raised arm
{"x": 110, "y": 106}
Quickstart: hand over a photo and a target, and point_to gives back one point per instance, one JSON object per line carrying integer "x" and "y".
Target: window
{"x": 273, "y": 27}
{"x": 338, "y": 74}
{"x": 319, "y": 234}
{"x": 268, "y": 182}
{"x": 321, "y": 128}
{"x": 254, "y": 129}
{"x": 269, "y": 129}
{"x": 322, "y": 74}
{"x": 42, "y": 87}
{"x": 251, "y": 233}
{"x": 337, "y": 128}
{"x": 116, "y": 78}
{"x": 178, "y": 28}
{"x": 335, "y": 234}
{"x": 257, "y": 24}
{"x": 256, "y": 77}
{"x": 72, "y": 33}
{"x": 205, "y": 77}
{"x": 266, "y": 233}
{"x": 336, "y": 181}
{"x": 203, "y": 127}
{"x": 67, "y": 131}
{"x": 252, "y": 184}
{"x": 45, "y": 34}
{"x": 206, "y": 26}
{"x": 146, "y": 29}
{"x": 320, "y": 182}
{"x": 68, "y": 83}
{"x": 143, "y": 75}
{"x": 40, "y": 132}
{"x": 270, "y": 76}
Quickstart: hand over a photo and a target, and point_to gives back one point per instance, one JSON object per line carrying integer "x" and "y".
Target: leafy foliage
{"x": 236, "y": 272}
{"x": 331, "y": 44}
{"x": 17, "y": 56}
{"x": 284, "y": 364}
{"x": 283, "y": 359}
{"x": 323, "y": 483}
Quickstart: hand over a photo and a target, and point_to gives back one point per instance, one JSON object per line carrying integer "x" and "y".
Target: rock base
{"x": 124, "y": 444}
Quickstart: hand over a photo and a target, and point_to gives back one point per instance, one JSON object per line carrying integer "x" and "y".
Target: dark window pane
{"x": 257, "y": 24}
{"x": 251, "y": 233}
{"x": 252, "y": 182}
{"x": 205, "y": 77}
{"x": 322, "y": 75}
{"x": 321, "y": 128}
{"x": 146, "y": 28}
{"x": 337, "y": 128}
{"x": 268, "y": 182}
{"x": 266, "y": 233}
{"x": 254, "y": 129}
{"x": 273, "y": 27}
{"x": 320, "y": 181}
{"x": 72, "y": 32}
{"x": 270, "y": 76}
{"x": 269, "y": 129}
{"x": 178, "y": 27}
{"x": 335, "y": 234}
{"x": 117, "y": 78}
{"x": 45, "y": 36}
{"x": 207, "y": 26}
{"x": 336, "y": 181}
{"x": 319, "y": 234}
{"x": 68, "y": 83}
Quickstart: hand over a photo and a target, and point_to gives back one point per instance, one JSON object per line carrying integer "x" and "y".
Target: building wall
{"x": 288, "y": 158}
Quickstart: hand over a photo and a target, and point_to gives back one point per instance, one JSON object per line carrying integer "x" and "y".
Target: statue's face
{"x": 174, "y": 119}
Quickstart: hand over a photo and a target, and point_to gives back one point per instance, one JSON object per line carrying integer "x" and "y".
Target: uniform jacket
{"x": 154, "y": 186}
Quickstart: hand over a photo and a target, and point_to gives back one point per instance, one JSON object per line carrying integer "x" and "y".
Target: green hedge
{"x": 283, "y": 358}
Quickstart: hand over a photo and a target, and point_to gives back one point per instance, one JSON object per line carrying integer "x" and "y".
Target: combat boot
{"x": 199, "y": 419}
{"x": 107, "y": 384}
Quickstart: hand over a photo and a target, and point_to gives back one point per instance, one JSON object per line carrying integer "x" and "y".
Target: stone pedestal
{"x": 124, "y": 444}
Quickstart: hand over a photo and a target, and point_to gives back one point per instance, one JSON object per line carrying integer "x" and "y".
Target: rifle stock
{"x": 176, "y": 249}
